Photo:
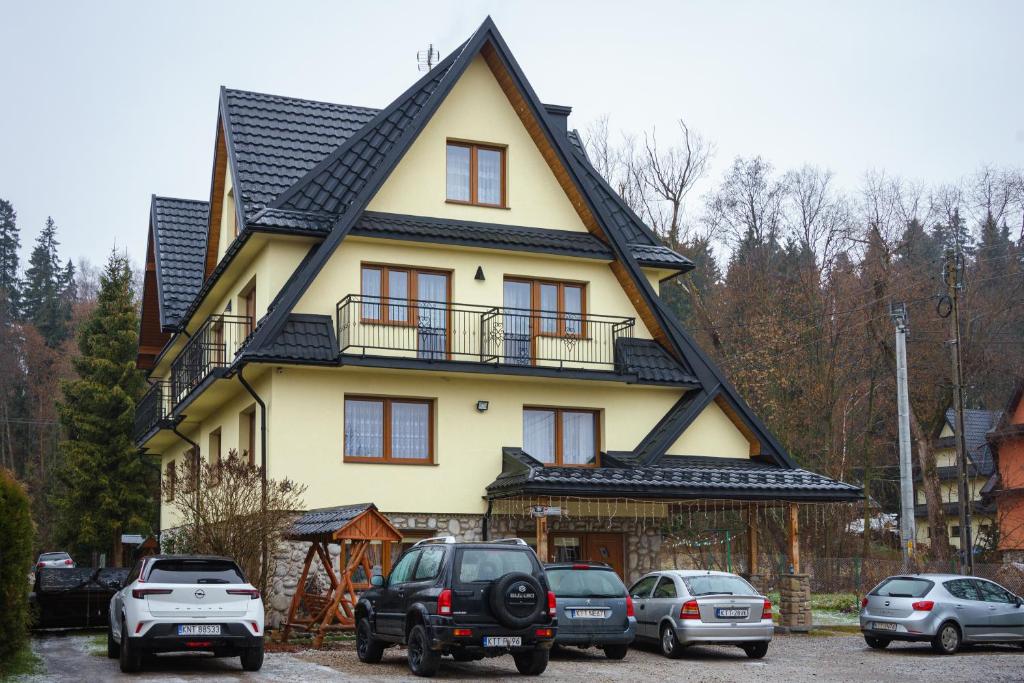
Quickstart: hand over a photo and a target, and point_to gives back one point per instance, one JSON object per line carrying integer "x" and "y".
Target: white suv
{"x": 194, "y": 603}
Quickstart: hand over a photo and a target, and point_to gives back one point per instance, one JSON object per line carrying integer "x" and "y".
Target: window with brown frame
{"x": 388, "y": 290}
{"x": 392, "y": 430}
{"x": 476, "y": 174}
{"x": 559, "y": 308}
{"x": 562, "y": 436}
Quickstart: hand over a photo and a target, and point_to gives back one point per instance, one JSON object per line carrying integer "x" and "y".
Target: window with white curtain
{"x": 388, "y": 430}
{"x": 475, "y": 174}
{"x": 560, "y": 436}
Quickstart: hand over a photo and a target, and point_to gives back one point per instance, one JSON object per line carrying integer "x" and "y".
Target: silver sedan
{"x": 945, "y": 610}
{"x": 682, "y": 607}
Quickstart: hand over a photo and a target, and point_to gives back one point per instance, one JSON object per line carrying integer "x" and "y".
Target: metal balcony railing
{"x": 152, "y": 408}
{"x": 213, "y": 346}
{"x": 435, "y": 331}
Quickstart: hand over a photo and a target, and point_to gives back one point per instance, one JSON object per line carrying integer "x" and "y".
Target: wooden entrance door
{"x": 588, "y": 547}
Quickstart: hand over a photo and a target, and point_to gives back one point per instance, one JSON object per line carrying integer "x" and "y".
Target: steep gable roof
{"x": 179, "y": 228}
{"x": 977, "y": 425}
{"x": 276, "y": 140}
{"x": 344, "y": 182}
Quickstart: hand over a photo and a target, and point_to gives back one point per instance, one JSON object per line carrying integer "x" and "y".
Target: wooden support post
{"x": 542, "y": 539}
{"x": 752, "y": 541}
{"x": 793, "y": 540}
{"x": 385, "y": 558}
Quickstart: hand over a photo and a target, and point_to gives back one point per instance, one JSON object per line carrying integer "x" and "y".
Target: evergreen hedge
{"x": 16, "y": 533}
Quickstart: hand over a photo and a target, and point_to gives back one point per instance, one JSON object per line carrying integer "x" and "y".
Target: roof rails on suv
{"x": 448, "y": 540}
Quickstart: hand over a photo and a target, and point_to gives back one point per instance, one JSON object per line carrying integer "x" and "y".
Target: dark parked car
{"x": 593, "y": 607}
{"x": 467, "y": 600}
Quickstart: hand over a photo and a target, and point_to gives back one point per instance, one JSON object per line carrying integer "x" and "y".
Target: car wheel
{"x": 113, "y": 648}
{"x": 947, "y": 640}
{"x": 876, "y": 643}
{"x": 252, "y": 658}
{"x": 422, "y": 660}
{"x": 130, "y": 656}
{"x": 369, "y": 649}
{"x": 670, "y": 646}
{"x": 532, "y": 663}
{"x": 756, "y": 650}
{"x": 616, "y": 652}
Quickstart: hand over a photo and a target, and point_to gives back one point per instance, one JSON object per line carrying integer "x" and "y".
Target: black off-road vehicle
{"x": 467, "y": 600}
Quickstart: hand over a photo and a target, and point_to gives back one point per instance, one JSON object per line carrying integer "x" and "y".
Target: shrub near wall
{"x": 16, "y": 532}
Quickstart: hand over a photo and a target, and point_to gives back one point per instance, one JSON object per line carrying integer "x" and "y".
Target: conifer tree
{"x": 10, "y": 241}
{"x": 106, "y": 488}
{"x": 43, "y": 296}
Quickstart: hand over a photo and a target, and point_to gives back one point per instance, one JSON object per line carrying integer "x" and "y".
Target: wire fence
{"x": 859, "y": 575}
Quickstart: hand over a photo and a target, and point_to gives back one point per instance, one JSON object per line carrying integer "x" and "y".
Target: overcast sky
{"x": 104, "y": 104}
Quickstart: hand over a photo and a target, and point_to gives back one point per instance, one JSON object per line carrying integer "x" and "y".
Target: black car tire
{"x": 756, "y": 650}
{"x": 422, "y": 660}
{"x": 876, "y": 643}
{"x": 130, "y": 656}
{"x": 113, "y": 647}
{"x": 532, "y": 663}
{"x": 501, "y": 610}
{"x": 616, "y": 652}
{"x": 947, "y": 640}
{"x": 252, "y": 658}
{"x": 369, "y": 649}
{"x": 670, "y": 646}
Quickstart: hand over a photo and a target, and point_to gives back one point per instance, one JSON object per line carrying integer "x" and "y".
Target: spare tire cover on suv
{"x": 517, "y": 600}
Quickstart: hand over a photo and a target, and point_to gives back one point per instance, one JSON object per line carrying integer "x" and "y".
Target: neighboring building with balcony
{"x": 980, "y": 467}
{"x": 446, "y": 311}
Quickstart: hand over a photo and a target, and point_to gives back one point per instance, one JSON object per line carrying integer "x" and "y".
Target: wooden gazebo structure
{"x": 356, "y": 525}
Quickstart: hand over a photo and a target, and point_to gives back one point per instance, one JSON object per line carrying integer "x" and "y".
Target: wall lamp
{"x": 480, "y": 273}
{"x": 482, "y": 406}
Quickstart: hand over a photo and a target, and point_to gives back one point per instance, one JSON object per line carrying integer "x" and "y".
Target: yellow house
{"x": 980, "y": 467}
{"x": 442, "y": 308}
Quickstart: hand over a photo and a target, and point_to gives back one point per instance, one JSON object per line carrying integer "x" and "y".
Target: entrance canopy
{"x": 671, "y": 478}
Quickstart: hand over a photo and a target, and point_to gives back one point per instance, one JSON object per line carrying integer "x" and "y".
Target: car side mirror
{"x": 1018, "y": 601}
{"x": 376, "y": 580}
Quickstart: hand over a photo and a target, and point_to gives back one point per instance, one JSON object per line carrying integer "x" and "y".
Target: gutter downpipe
{"x": 263, "y": 476}
{"x": 487, "y": 520}
{"x": 196, "y": 464}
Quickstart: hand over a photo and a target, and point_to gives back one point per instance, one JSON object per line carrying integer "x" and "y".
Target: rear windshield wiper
{"x": 212, "y": 581}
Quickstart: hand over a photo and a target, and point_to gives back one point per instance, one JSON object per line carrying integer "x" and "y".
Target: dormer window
{"x": 476, "y": 174}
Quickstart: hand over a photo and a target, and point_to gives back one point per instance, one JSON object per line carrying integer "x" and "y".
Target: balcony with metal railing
{"x": 211, "y": 349}
{"x": 152, "y": 409}
{"x": 371, "y": 326}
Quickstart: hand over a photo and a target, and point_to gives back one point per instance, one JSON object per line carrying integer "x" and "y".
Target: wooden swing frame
{"x": 335, "y": 611}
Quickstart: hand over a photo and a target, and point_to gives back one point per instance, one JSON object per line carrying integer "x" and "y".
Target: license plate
{"x": 727, "y": 613}
{"x": 883, "y": 626}
{"x": 199, "y": 630}
{"x": 588, "y": 613}
{"x": 503, "y": 641}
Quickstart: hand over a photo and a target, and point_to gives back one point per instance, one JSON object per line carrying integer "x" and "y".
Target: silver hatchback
{"x": 677, "y": 608}
{"x": 945, "y": 610}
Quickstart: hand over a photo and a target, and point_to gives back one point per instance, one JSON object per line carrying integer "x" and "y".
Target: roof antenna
{"x": 427, "y": 59}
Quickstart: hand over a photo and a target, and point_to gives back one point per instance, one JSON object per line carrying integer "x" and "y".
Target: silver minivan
{"x": 682, "y": 607}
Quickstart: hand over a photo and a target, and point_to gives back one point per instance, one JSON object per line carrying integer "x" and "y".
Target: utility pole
{"x": 908, "y": 530}
{"x": 953, "y": 275}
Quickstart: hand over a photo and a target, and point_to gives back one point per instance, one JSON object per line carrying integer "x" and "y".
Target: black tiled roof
{"x": 470, "y": 233}
{"x": 336, "y": 182}
{"x": 304, "y": 337}
{"x": 651, "y": 363}
{"x": 673, "y": 477}
{"x": 977, "y": 424}
{"x": 180, "y": 250}
{"x": 660, "y": 257}
{"x": 321, "y": 522}
{"x": 277, "y": 140}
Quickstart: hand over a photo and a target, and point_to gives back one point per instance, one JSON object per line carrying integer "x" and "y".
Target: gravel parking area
{"x": 797, "y": 659}
{"x": 837, "y": 657}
